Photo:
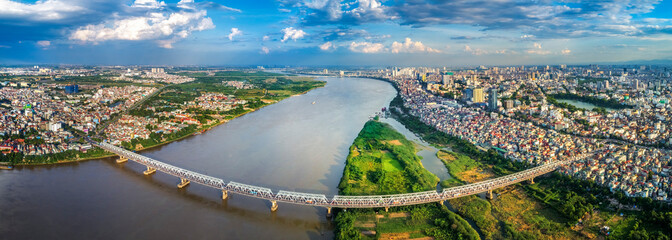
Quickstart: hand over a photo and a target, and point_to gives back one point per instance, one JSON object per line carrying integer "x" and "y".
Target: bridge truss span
{"x": 321, "y": 200}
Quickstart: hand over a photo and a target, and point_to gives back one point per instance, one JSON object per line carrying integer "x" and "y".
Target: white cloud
{"x": 368, "y": 10}
{"x": 408, "y": 46}
{"x": 188, "y": 4}
{"x": 266, "y": 38}
{"x": 265, "y": 50}
{"x": 46, "y": 10}
{"x": 348, "y": 12}
{"x": 505, "y": 51}
{"x": 367, "y": 47}
{"x": 411, "y": 47}
{"x": 163, "y": 27}
{"x": 536, "y": 49}
{"x": 566, "y": 51}
{"x": 149, "y": 4}
{"x": 234, "y": 32}
{"x": 291, "y": 33}
{"x": 44, "y": 44}
{"x": 476, "y": 51}
{"x": 327, "y": 46}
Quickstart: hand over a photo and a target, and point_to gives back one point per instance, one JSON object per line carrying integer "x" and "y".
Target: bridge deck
{"x": 338, "y": 200}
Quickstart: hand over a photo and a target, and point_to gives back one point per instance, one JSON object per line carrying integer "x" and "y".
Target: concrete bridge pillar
{"x": 387, "y": 209}
{"x": 150, "y": 170}
{"x": 122, "y": 159}
{"x": 328, "y": 212}
{"x": 274, "y": 206}
{"x": 441, "y": 202}
{"x": 183, "y": 183}
{"x": 531, "y": 181}
{"x": 489, "y": 195}
{"x": 225, "y": 194}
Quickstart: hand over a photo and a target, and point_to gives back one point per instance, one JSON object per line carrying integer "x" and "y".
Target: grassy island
{"x": 383, "y": 161}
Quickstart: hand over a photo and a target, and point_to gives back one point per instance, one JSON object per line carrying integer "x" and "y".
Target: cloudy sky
{"x": 334, "y": 32}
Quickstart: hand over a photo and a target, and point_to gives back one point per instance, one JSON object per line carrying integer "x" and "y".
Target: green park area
{"x": 383, "y": 161}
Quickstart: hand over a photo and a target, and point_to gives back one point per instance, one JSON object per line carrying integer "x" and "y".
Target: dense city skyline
{"x": 327, "y": 32}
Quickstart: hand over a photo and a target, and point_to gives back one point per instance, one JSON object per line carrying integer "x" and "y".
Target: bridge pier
{"x": 441, "y": 202}
{"x": 489, "y": 195}
{"x": 225, "y": 194}
{"x": 150, "y": 170}
{"x": 183, "y": 183}
{"x": 387, "y": 209}
{"x": 122, "y": 159}
{"x": 531, "y": 180}
{"x": 274, "y": 206}
{"x": 328, "y": 212}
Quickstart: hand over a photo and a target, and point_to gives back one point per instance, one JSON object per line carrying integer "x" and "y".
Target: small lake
{"x": 583, "y": 105}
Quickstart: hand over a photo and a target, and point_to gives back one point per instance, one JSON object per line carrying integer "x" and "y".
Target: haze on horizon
{"x": 334, "y": 32}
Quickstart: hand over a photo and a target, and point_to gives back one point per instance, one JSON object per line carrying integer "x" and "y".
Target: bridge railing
{"x": 339, "y": 200}
{"x": 166, "y": 168}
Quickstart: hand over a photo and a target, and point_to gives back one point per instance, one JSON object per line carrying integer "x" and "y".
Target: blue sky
{"x": 334, "y": 32}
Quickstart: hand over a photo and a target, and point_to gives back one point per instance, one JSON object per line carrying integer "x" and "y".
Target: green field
{"x": 383, "y": 161}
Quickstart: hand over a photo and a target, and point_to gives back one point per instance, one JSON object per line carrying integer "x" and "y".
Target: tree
{"x": 375, "y": 176}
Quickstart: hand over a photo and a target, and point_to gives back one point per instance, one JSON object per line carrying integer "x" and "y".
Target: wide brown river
{"x": 294, "y": 145}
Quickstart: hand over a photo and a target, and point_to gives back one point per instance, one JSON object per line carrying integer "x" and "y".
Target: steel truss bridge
{"x": 337, "y": 201}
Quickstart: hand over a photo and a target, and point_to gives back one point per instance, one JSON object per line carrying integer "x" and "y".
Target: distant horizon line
{"x": 669, "y": 63}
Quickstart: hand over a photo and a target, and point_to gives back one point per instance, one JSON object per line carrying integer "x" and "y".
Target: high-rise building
{"x": 70, "y": 89}
{"x": 508, "y": 104}
{"x": 478, "y": 95}
{"x": 467, "y": 94}
{"x": 492, "y": 101}
{"x": 447, "y": 79}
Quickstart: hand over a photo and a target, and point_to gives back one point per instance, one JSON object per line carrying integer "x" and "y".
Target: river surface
{"x": 292, "y": 145}
{"x": 583, "y": 105}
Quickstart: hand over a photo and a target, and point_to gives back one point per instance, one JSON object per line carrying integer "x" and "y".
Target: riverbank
{"x": 149, "y": 144}
{"x": 555, "y": 207}
{"x": 383, "y": 161}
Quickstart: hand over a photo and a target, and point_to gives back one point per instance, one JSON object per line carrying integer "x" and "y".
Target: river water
{"x": 294, "y": 145}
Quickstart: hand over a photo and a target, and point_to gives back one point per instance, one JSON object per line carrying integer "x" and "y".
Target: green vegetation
{"x": 588, "y": 203}
{"x": 268, "y": 88}
{"x": 603, "y": 103}
{"x": 382, "y": 161}
{"x": 272, "y": 86}
{"x": 66, "y": 156}
{"x": 500, "y": 165}
{"x": 556, "y": 207}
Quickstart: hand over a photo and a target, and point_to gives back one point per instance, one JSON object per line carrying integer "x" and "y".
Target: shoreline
{"x": 163, "y": 143}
